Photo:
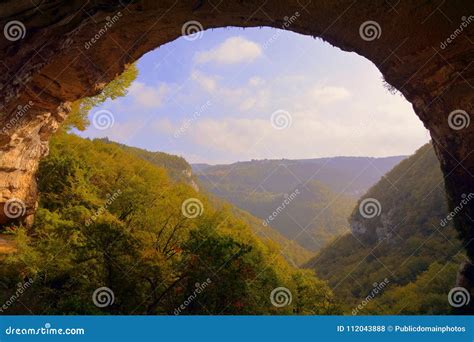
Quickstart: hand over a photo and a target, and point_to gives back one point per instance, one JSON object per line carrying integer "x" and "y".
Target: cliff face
{"x": 55, "y": 52}
{"x": 401, "y": 228}
{"x": 407, "y": 200}
{"x": 21, "y": 147}
{"x": 188, "y": 173}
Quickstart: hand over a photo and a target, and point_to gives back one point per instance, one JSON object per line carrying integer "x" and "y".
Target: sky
{"x": 234, "y": 94}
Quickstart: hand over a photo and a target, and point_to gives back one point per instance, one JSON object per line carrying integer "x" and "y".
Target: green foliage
{"x": 177, "y": 167}
{"x": 80, "y": 109}
{"x": 292, "y": 251}
{"x": 307, "y": 290}
{"x": 309, "y": 209}
{"x": 426, "y": 295}
{"x": 327, "y": 190}
{"x": 110, "y": 218}
{"x": 405, "y": 244}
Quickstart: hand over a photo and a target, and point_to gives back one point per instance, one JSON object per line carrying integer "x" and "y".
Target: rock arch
{"x": 64, "y": 50}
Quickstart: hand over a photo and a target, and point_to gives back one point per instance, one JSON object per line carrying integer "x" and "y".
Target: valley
{"x": 282, "y": 221}
{"x": 323, "y": 192}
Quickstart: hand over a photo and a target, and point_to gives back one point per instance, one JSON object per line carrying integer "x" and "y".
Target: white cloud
{"x": 207, "y": 82}
{"x": 210, "y": 84}
{"x": 232, "y": 50}
{"x": 256, "y": 100}
{"x": 308, "y": 136}
{"x": 323, "y": 122}
{"x": 336, "y": 109}
{"x": 148, "y": 96}
{"x": 228, "y": 135}
{"x": 328, "y": 94}
{"x": 248, "y": 103}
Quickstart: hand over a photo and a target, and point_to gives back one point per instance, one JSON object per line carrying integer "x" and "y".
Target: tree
{"x": 313, "y": 296}
{"x": 80, "y": 109}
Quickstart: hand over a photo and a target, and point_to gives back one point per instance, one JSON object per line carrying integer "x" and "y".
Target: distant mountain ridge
{"x": 327, "y": 189}
{"x": 351, "y": 175}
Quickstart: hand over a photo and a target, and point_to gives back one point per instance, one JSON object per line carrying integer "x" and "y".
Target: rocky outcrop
{"x": 55, "y": 52}
{"x": 25, "y": 142}
{"x": 408, "y": 202}
{"x": 190, "y": 179}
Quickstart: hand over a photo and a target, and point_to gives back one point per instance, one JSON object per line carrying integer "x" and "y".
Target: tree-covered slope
{"x": 176, "y": 166}
{"x": 324, "y": 189}
{"x": 294, "y": 253}
{"x": 309, "y": 214}
{"x": 110, "y": 219}
{"x": 180, "y": 171}
{"x": 398, "y": 235}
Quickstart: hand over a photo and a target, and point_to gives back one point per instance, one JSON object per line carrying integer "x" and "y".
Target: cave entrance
{"x": 53, "y": 55}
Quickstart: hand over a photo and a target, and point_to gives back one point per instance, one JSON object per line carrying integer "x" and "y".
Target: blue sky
{"x": 237, "y": 94}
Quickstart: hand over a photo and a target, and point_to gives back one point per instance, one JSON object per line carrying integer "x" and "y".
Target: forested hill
{"x": 398, "y": 234}
{"x": 323, "y": 192}
{"x": 110, "y": 219}
{"x": 310, "y": 214}
{"x": 176, "y": 166}
{"x": 180, "y": 171}
{"x": 349, "y": 175}
{"x": 294, "y": 253}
